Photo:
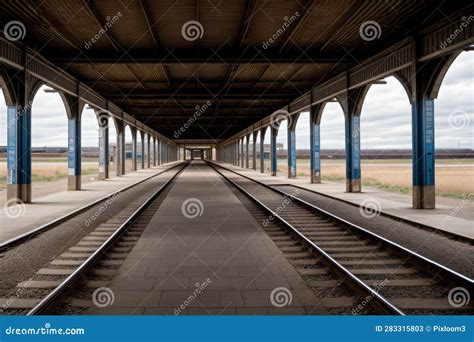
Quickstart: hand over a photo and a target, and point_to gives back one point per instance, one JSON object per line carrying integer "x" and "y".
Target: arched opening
{"x": 128, "y": 149}
{"x": 49, "y": 138}
{"x": 282, "y": 149}
{"x": 303, "y": 168}
{"x": 332, "y": 143}
{"x": 386, "y": 137}
{"x": 454, "y": 129}
{"x": 89, "y": 145}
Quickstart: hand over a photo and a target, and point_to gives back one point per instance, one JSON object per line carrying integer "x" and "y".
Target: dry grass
{"x": 452, "y": 179}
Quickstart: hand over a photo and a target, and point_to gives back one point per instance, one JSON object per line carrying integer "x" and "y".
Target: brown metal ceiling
{"x": 144, "y": 65}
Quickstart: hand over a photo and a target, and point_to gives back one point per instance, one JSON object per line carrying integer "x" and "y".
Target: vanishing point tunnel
{"x": 213, "y": 204}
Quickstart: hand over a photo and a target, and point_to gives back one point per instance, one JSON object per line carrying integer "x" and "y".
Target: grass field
{"x": 454, "y": 178}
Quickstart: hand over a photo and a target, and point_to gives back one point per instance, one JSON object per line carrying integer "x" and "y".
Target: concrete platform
{"x": 17, "y": 220}
{"x": 210, "y": 259}
{"x": 454, "y": 216}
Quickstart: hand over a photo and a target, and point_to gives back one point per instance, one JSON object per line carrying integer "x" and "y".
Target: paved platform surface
{"x": 451, "y": 215}
{"x": 17, "y": 220}
{"x": 212, "y": 258}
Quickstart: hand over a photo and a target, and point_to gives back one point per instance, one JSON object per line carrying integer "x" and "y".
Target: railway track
{"x": 388, "y": 276}
{"x": 101, "y": 251}
{"x": 45, "y": 227}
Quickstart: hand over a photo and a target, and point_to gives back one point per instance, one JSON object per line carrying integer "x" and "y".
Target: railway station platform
{"x": 452, "y": 216}
{"x": 203, "y": 253}
{"x": 21, "y": 219}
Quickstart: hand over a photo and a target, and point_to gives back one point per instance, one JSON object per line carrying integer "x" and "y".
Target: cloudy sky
{"x": 385, "y": 120}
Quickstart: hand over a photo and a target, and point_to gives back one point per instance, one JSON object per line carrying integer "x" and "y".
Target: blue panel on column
{"x": 74, "y": 146}
{"x": 429, "y": 150}
{"x": 292, "y": 152}
{"x": 12, "y": 146}
{"x": 423, "y": 142}
{"x": 315, "y": 137}
{"x": 355, "y": 147}
{"x": 273, "y": 153}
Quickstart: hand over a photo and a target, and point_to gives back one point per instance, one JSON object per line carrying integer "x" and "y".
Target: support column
{"x": 262, "y": 150}
{"x": 315, "y": 142}
{"x": 273, "y": 149}
{"x": 19, "y": 144}
{"x": 120, "y": 150}
{"x": 74, "y": 146}
{"x": 142, "y": 137}
{"x": 247, "y": 141}
{"x": 154, "y": 151}
{"x": 254, "y": 151}
{"x": 134, "y": 149}
{"x": 104, "y": 121}
{"x": 242, "y": 153}
{"x": 352, "y": 131}
{"x": 158, "y": 151}
{"x": 291, "y": 154}
{"x": 148, "y": 161}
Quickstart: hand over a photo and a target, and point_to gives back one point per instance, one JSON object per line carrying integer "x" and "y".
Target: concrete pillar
{"x": 148, "y": 161}
{"x": 315, "y": 142}
{"x": 242, "y": 153}
{"x": 291, "y": 154}
{"x": 262, "y": 150}
{"x": 158, "y": 151}
{"x": 74, "y": 147}
{"x": 120, "y": 150}
{"x": 19, "y": 149}
{"x": 142, "y": 137}
{"x": 104, "y": 122}
{"x": 134, "y": 149}
{"x": 154, "y": 151}
{"x": 273, "y": 149}
{"x": 247, "y": 141}
{"x": 254, "y": 151}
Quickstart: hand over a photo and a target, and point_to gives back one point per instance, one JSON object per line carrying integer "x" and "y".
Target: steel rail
{"x": 347, "y": 276}
{"x": 47, "y": 301}
{"x": 17, "y": 239}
